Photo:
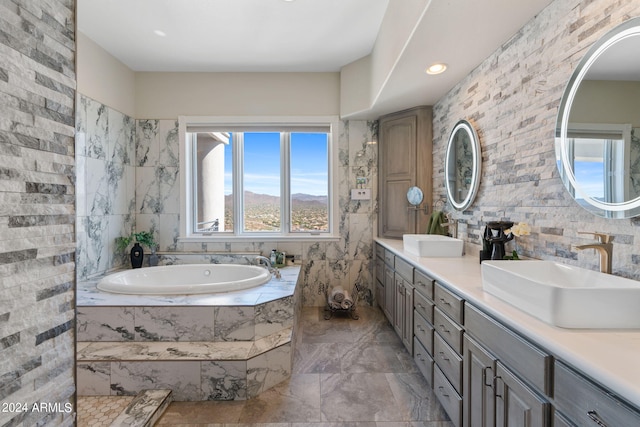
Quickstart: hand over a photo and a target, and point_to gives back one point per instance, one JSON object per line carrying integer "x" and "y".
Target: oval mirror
{"x": 462, "y": 165}
{"x": 598, "y": 126}
{"x": 415, "y": 196}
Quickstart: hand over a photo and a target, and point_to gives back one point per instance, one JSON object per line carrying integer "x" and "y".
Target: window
{"x": 259, "y": 180}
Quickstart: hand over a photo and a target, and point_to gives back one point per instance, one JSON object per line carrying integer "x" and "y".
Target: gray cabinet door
{"x": 479, "y": 399}
{"x": 389, "y": 293}
{"x": 516, "y": 404}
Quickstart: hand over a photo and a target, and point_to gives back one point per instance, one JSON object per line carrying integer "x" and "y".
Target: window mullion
{"x": 285, "y": 182}
{"x": 238, "y": 182}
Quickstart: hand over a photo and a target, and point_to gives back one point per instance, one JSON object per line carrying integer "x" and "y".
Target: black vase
{"x": 137, "y": 255}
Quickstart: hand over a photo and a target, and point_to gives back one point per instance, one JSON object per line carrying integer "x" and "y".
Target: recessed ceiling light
{"x": 160, "y": 33}
{"x": 437, "y": 68}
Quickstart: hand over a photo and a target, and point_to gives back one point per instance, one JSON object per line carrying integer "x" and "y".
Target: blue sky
{"x": 309, "y": 164}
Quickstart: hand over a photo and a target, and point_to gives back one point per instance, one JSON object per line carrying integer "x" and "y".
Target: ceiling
{"x": 306, "y": 36}
{"x": 233, "y": 35}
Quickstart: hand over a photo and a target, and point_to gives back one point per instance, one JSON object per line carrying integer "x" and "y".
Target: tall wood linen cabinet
{"x": 405, "y": 160}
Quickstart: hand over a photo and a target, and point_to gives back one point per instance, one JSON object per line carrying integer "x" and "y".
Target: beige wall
{"x": 607, "y": 102}
{"x": 169, "y": 95}
{"x": 103, "y": 78}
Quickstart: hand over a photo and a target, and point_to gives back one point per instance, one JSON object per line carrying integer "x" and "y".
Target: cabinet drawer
{"x": 404, "y": 269}
{"x": 379, "y": 251}
{"x": 424, "y": 361}
{"x": 448, "y": 330}
{"x": 528, "y": 361}
{"x": 449, "y": 302}
{"x": 389, "y": 258}
{"x": 423, "y": 283}
{"x": 586, "y": 403}
{"x": 448, "y": 361}
{"x": 423, "y": 306}
{"x": 450, "y": 400}
{"x": 423, "y": 331}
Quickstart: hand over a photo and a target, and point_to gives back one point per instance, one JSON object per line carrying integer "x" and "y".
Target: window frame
{"x": 187, "y": 187}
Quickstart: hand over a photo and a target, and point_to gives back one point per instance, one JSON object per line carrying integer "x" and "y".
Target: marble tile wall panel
{"x": 37, "y": 108}
{"x": 268, "y": 370}
{"x": 274, "y": 316}
{"x": 105, "y": 143}
{"x": 224, "y": 380}
{"x": 235, "y": 323}
{"x": 183, "y": 378}
{"x": 174, "y": 323}
{"x": 105, "y": 324}
{"x": 93, "y": 378}
{"x": 512, "y": 101}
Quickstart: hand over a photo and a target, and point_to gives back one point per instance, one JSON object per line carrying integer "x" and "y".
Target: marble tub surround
{"x": 227, "y": 346}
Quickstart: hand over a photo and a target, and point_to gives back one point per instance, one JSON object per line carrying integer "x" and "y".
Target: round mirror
{"x": 598, "y": 126}
{"x": 415, "y": 196}
{"x": 462, "y": 165}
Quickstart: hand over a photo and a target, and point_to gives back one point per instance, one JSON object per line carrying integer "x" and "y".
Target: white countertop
{"x": 610, "y": 357}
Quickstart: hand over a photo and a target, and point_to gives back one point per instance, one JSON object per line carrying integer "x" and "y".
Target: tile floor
{"x": 346, "y": 372}
{"x": 100, "y": 411}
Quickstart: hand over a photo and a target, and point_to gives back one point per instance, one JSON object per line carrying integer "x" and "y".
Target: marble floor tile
{"x": 346, "y": 373}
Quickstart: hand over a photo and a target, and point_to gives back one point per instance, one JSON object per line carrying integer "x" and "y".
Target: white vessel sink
{"x": 563, "y": 295}
{"x": 432, "y": 245}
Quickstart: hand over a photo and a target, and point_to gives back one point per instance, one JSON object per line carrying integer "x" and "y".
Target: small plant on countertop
{"x": 519, "y": 229}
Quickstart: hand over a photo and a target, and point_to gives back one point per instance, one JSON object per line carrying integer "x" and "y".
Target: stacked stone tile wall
{"x": 512, "y": 100}
{"x": 37, "y": 214}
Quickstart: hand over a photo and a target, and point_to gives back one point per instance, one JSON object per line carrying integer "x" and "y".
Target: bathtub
{"x": 185, "y": 279}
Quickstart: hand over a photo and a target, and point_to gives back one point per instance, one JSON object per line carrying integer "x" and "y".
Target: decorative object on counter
{"x": 434, "y": 226}
{"x": 519, "y": 229}
{"x": 340, "y": 300}
{"x": 137, "y": 252}
{"x": 495, "y": 235}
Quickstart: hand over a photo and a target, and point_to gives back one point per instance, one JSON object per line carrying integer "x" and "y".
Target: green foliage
{"x": 514, "y": 256}
{"x": 145, "y": 238}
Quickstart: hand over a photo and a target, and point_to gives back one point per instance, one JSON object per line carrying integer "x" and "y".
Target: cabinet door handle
{"x": 441, "y": 390}
{"x": 442, "y": 356}
{"x": 596, "y": 418}
{"x": 444, "y": 329}
{"x": 484, "y": 375}
{"x": 442, "y": 300}
{"x": 420, "y": 306}
{"x": 421, "y": 329}
{"x": 495, "y": 382}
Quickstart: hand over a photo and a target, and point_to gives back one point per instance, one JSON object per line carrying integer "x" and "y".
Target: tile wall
{"x": 145, "y": 182}
{"x": 37, "y": 213}
{"x": 512, "y": 101}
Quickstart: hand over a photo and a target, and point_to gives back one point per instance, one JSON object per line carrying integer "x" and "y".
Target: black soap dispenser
{"x": 137, "y": 255}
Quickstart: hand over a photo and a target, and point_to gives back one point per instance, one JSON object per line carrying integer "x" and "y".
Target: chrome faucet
{"x": 604, "y": 247}
{"x": 452, "y": 225}
{"x": 266, "y": 262}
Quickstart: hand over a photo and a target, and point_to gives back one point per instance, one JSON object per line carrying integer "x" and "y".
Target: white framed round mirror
{"x": 462, "y": 165}
{"x": 598, "y": 126}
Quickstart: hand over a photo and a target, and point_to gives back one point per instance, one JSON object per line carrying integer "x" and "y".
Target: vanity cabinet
{"x": 403, "y": 319}
{"x": 482, "y": 370}
{"x": 423, "y": 308}
{"x": 507, "y": 379}
{"x": 405, "y": 160}
{"x": 447, "y": 351}
{"x": 583, "y": 402}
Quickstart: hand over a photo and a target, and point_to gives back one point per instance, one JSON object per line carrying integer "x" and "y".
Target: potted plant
{"x": 137, "y": 253}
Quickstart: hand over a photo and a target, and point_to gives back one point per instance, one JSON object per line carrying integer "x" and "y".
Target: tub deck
{"x": 229, "y": 346}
